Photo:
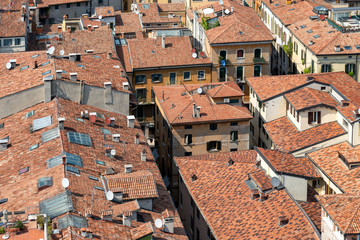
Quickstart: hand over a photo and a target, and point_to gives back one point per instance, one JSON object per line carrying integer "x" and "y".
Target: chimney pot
{"x": 73, "y": 77}
{"x": 89, "y": 28}
{"x": 61, "y": 123}
{"x": 116, "y": 137}
{"x": 58, "y": 74}
{"x": 109, "y": 55}
{"x": 68, "y": 29}
{"x": 163, "y": 44}
{"x": 35, "y": 64}
{"x": 143, "y": 155}
{"x": 125, "y": 86}
{"x": 128, "y": 168}
{"x": 13, "y": 63}
{"x": 59, "y": 28}
{"x": 130, "y": 121}
{"x": 112, "y": 122}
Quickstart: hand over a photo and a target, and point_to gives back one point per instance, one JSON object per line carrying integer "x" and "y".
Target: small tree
{"x": 288, "y": 48}
{"x": 307, "y": 70}
{"x": 19, "y": 225}
{"x": 351, "y": 74}
{"x": 204, "y": 23}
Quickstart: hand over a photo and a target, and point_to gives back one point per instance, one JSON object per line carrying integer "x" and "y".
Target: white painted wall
{"x": 327, "y": 115}
{"x": 146, "y": 204}
{"x": 274, "y": 109}
{"x": 13, "y": 47}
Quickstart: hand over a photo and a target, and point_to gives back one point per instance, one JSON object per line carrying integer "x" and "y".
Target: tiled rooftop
{"x": 223, "y": 198}
{"x": 305, "y": 98}
{"x": 343, "y": 209}
{"x": 150, "y": 13}
{"x": 15, "y": 5}
{"x": 12, "y": 25}
{"x": 147, "y": 53}
{"x": 105, "y": 11}
{"x": 128, "y": 22}
{"x": 171, "y": 7}
{"x": 226, "y": 91}
{"x": 261, "y": 180}
{"x": 327, "y": 159}
{"x": 287, "y": 164}
{"x": 177, "y": 102}
{"x": 287, "y": 138}
{"x": 21, "y": 188}
{"x": 47, "y": 3}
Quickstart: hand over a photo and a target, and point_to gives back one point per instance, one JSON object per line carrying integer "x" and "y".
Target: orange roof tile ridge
{"x": 352, "y": 218}
{"x": 182, "y": 111}
{"x": 335, "y": 37}
{"x": 303, "y": 166}
{"x": 221, "y": 86}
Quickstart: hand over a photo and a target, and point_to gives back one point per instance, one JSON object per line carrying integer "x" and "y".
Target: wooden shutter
{"x": 319, "y": 117}
{"x": 219, "y": 145}
{"x": 310, "y": 117}
{"x": 208, "y": 146}
{"x": 287, "y": 106}
{"x": 297, "y": 116}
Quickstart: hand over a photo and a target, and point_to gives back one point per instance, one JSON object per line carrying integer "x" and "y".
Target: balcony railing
{"x": 259, "y": 60}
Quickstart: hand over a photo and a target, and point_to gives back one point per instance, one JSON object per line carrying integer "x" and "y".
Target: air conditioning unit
{"x": 226, "y": 100}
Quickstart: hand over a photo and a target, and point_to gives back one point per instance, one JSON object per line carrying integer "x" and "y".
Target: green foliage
{"x": 307, "y": 70}
{"x": 19, "y": 224}
{"x": 288, "y": 49}
{"x": 351, "y": 74}
{"x": 40, "y": 221}
{"x": 303, "y": 61}
{"x": 2, "y": 230}
{"x": 204, "y": 23}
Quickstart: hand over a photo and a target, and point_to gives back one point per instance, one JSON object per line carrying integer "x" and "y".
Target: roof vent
{"x": 311, "y": 42}
{"x": 73, "y": 77}
{"x": 169, "y": 224}
{"x": 58, "y": 74}
{"x": 283, "y": 220}
{"x": 308, "y": 78}
{"x": 116, "y": 137}
{"x": 254, "y": 194}
{"x": 337, "y": 48}
{"x": 125, "y": 86}
{"x": 344, "y": 103}
{"x": 61, "y": 123}
{"x": 230, "y": 162}
{"x": 143, "y": 155}
{"x": 128, "y": 168}
{"x": 194, "y": 178}
{"x": 13, "y": 63}
{"x": 4, "y": 143}
{"x": 130, "y": 121}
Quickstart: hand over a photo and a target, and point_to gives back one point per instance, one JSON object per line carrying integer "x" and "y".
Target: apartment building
{"x": 70, "y": 170}
{"x": 160, "y": 61}
{"x": 302, "y": 113}
{"x": 198, "y": 119}
{"x": 235, "y": 39}
{"x": 214, "y": 187}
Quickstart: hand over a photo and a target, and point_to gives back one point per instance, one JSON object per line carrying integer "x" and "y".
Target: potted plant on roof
{"x": 17, "y": 227}
{"x": 40, "y": 220}
{"x": 351, "y": 74}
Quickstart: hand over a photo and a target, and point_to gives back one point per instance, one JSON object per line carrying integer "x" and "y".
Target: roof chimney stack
{"x": 4, "y": 143}
{"x": 112, "y": 122}
{"x": 169, "y": 224}
{"x": 198, "y": 111}
{"x": 61, "y": 123}
{"x": 35, "y": 64}
{"x": 194, "y": 108}
{"x": 130, "y": 121}
{"x": 73, "y": 77}
{"x": 116, "y": 137}
{"x": 128, "y": 168}
{"x": 125, "y": 86}
{"x": 89, "y": 28}
{"x": 109, "y": 55}
{"x": 127, "y": 219}
{"x": 232, "y": 9}
{"x": 163, "y": 44}
{"x": 13, "y": 63}
{"x": 47, "y": 88}
{"x": 137, "y": 138}
{"x": 58, "y": 74}
{"x": 143, "y": 155}
{"x": 59, "y": 28}
{"x": 68, "y": 29}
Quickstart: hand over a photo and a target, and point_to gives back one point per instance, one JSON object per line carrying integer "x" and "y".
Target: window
{"x": 172, "y": 78}
{"x": 213, "y": 146}
{"x": 314, "y": 117}
{"x": 17, "y": 41}
{"x": 188, "y": 139}
{"x": 33, "y": 147}
{"x": 188, "y": 126}
{"x": 325, "y": 68}
{"x": 201, "y": 75}
{"x": 234, "y": 135}
{"x": 78, "y": 4}
{"x": 156, "y": 78}
{"x": 240, "y": 53}
{"x": 100, "y": 162}
{"x": 1, "y": 125}
{"x": 68, "y": 5}
{"x": 233, "y": 123}
{"x": 56, "y": 7}
{"x": 8, "y": 42}
{"x": 188, "y": 154}
{"x": 50, "y": 134}
{"x": 223, "y": 54}
{"x": 72, "y": 169}
{"x": 45, "y": 182}
{"x": 257, "y": 53}
{"x": 140, "y": 79}
{"x": 79, "y": 138}
{"x": 140, "y": 94}
{"x": 187, "y": 75}
{"x": 233, "y": 149}
{"x": 213, "y": 126}
{"x": 240, "y": 72}
{"x": 348, "y": 68}
{"x": 257, "y": 71}
{"x": 222, "y": 74}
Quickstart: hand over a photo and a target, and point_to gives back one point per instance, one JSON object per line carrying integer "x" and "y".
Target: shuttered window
{"x": 314, "y": 117}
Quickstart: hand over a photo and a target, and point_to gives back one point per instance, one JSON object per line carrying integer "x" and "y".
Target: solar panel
{"x": 45, "y": 63}
{"x": 29, "y": 114}
{"x": 49, "y": 135}
{"x": 53, "y": 162}
{"x": 33, "y": 147}
{"x": 93, "y": 178}
{"x": 347, "y": 47}
{"x": 23, "y": 68}
{"x": 41, "y": 123}
{"x": 45, "y": 181}
{"x": 105, "y": 131}
{"x": 57, "y": 205}
{"x": 72, "y": 169}
{"x": 316, "y": 36}
{"x": 73, "y": 221}
{"x": 23, "y": 170}
{"x": 100, "y": 162}
{"x": 79, "y": 138}
{"x": 47, "y": 72}
{"x": 74, "y": 160}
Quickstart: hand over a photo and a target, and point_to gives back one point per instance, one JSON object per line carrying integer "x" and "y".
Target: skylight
{"x": 309, "y": 31}
{"x": 55, "y": 161}
{"x": 81, "y": 66}
{"x": 316, "y": 36}
{"x": 347, "y": 47}
{"x": 145, "y": 6}
{"x": 49, "y": 135}
{"x": 23, "y": 170}
{"x": 93, "y": 178}
{"x": 105, "y": 131}
{"x": 99, "y": 115}
{"x": 291, "y": 9}
{"x": 33, "y": 147}
{"x": 96, "y": 56}
{"x": 57, "y": 205}
{"x": 79, "y": 138}
{"x": 45, "y": 63}
{"x": 29, "y": 114}
{"x": 277, "y": 5}
{"x": 45, "y": 73}
{"x": 36, "y": 55}
{"x": 79, "y": 119}
{"x": 303, "y": 26}
{"x": 45, "y": 181}
{"x": 41, "y": 123}
{"x": 73, "y": 221}
{"x": 72, "y": 169}
{"x": 100, "y": 162}
{"x": 4, "y": 200}
{"x": 74, "y": 160}
{"x": 23, "y": 68}
{"x": 357, "y": 47}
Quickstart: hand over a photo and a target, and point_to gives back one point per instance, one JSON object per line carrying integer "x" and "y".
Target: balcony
{"x": 259, "y": 60}
{"x": 145, "y": 101}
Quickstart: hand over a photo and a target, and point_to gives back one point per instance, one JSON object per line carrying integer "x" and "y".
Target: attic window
{"x": 357, "y": 47}
{"x": 4, "y": 200}
{"x": 93, "y": 178}
{"x": 79, "y": 138}
{"x": 23, "y": 170}
{"x": 347, "y": 47}
{"x": 29, "y": 114}
{"x": 33, "y": 147}
{"x": 23, "y": 68}
{"x": 81, "y": 66}
{"x": 145, "y": 6}
{"x": 36, "y": 55}
{"x": 350, "y": 165}
{"x": 1, "y": 125}
{"x": 45, "y": 63}
{"x": 45, "y": 73}
{"x": 41, "y": 123}
{"x": 72, "y": 169}
{"x": 45, "y": 182}
{"x": 303, "y": 26}
{"x": 309, "y": 31}
{"x": 316, "y": 36}
{"x": 100, "y": 162}
{"x": 105, "y": 131}
{"x": 96, "y": 56}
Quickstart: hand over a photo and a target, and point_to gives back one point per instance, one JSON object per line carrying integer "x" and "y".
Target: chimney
{"x": 130, "y": 121}
{"x": 128, "y": 168}
{"x": 137, "y": 138}
{"x": 283, "y": 220}
{"x": 125, "y": 86}
{"x": 35, "y": 64}
{"x": 163, "y": 44}
{"x": 59, "y": 28}
{"x": 143, "y": 155}
{"x": 122, "y": 74}
{"x": 4, "y": 143}
{"x": 169, "y": 224}
{"x": 91, "y": 118}
{"x": 198, "y": 111}
{"x": 72, "y": 57}
{"x": 254, "y": 194}
{"x": 222, "y": 11}
{"x": 47, "y": 88}
{"x": 109, "y": 55}
{"x": 112, "y": 122}
{"x": 232, "y": 9}
{"x": 13, "y": 63}
{"x": 90, "y": 51}
{"x": 194, "y": 107}
{"x": 58, "y": 74}
{"x": 116, "y": 137}
{"x": 89, "y": 28}
{"x": 108, "y": 93}
{"x": 337, "y": 48}
{"x": 61, "y": 123}
{"x": 68, "y": 29}
{"x": 106, "y": 215}
{"x": 95, "y": 27}
{"x": 263, "y": 196}
{"x": 73, "y": 77}
{"x": 5, "y": 220}
{"x": 127, "y": 219}
{"x": 85, "y": 114}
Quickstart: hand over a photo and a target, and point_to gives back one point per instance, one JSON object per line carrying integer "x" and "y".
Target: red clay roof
{"x": 127, "y": 23}
{"x": 178, "y": 102}
{"x": 307, "y": 97}
{"x": 142, "y": 231}
{"x": 12, "y": 26}
{"x": 172, "y": 7}
{"x": 287, "y": 138}
{"x": 344, "y": 210}
{"x": 151, "y": 14}
{"x": 220, "y": 191}
{"x": 107, "y": 11}
{"x": 261, "y": 180}
{"x": 47, "y": 3}
{"x": 230, "y": 89}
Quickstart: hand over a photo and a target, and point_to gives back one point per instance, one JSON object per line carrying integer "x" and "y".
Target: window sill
{"x": 186, "y": 79}
{"x": 157, "y": 81}
{"x": 200, "y": 79}
{"x": 213, "y": 150}
{"x": 234, "y": 140}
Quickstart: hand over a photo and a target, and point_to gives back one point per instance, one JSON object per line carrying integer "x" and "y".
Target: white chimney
{"x": 116, "y": 137}
{"x": 13, "y": 63}
{"x": 112, "y": 122}
{"x": 232, "y": 9}
{"x": 194, "y": 113}
{"x": 198, "y": 111}
{"x": 86, "y": 114}
{"x": 128, "y": 168}
{"x": 130, "y": 121}
{"x": 163, "y": 43}
{"x": 143, "y": 155}
{"x": 337, "y": 48}
{"x": 72, "y": 57}
{"x": 137, "y": 138}
{"x": 61, "y": 123}
{"x": 58, "y": 74}
{"x": 127, "y": 219}
{"x": 125, "y": 85}
{"x": 73, "y": 77}
{"x": 169, "y": 224}
{"x": 47, "y": 88}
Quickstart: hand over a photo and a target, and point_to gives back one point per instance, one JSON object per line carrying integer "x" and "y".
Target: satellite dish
{"x": 65, "y": 182}
{"x": 51, "y": 50}
{"x": 113, "y": 152}
{"x": 227, "y": 11}
{"x": 158, "y": 223}
{"x": 107, "y": 121}
{"x": 110, "y": 195}
{"x": 62, "y": 52}
{"x": 93, "y": 118}
{"x": 194, "y": 55}
{"x": 199, "y": 90}
{"x": 100, "y": 17}
{"x": 275, "y": 182}
{"x": 8, "y": 65}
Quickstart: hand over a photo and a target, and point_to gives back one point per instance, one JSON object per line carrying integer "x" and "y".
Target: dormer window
{"x": 314, "y": 117}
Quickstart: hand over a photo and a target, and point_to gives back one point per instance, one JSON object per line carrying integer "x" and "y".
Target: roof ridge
{"x": 303, "y": 166}
{"x": 352, "y": 218}
{"x": 221, "y": 86}
{"x": 335, "y": 37}
{"x": 182, "y": 111}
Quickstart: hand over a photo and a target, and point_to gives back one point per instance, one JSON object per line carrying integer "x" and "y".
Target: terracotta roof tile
{"x": 107, "y": 11}
{"x": 287, "y": 138}
{"x": 261, "y": 179}
{"x": 230, "y": 89}
{"x": 12, "y": 26}
{"x": 127, "y": 23}
{"x": 15, "y": 5}
{"x": 172, "y": 7}
{"x": 344, "y": 210}
{"x": 151, "y": 14}
{"x": 120, "y": 209}
{"x": 47, "y": 3}
{"x": 178, "y": 103}
{"x": 220, "y": 190}
{"x": 142, "y": 231}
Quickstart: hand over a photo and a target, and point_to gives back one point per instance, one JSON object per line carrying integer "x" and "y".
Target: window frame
{"x": 188, "y": 139}
{"x": 159, "y": 81}
{"x": 260, "y": 52}
{"x": 260, "y": 70}
{"x": 204, "y": 77}
{"x": 234, "y": 136}
{"x": 225, "y": 78}
{"x": 213, "y": 125}
{"x": 142, "y": 75}
{"x": 242, "y": 77}
{"x": 223, "y": 50}
{"x": 243, "y": 54}
{"x": 170, "y": 78}
{"x": 187, "y": 79}
{"x": 10, "y": 41}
